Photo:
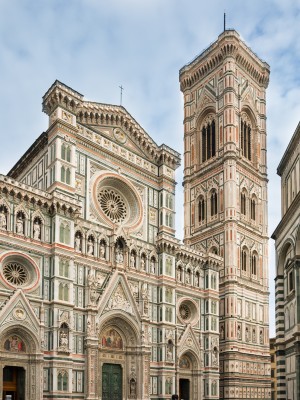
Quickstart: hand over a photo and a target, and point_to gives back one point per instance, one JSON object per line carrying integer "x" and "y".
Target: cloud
{"x": 95, "y": 46}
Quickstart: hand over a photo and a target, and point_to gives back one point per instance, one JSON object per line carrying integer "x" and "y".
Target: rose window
{"x": 188, "y": 312}
{"x": 112, "y": 205}
{"x": 184, "y": 312}
{"x": 15, "y": 274}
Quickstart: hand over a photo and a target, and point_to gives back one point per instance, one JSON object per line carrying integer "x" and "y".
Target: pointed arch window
{"x": 243, "y": 203}
{"x": 213, "y": 203}
{"x": 245, "y": 139}
{"x": 244, "y": 260}
{"x": 254, "y": 264}
{"x": 208, "y": 137}
{"x": 253, "y": 209}
{"x": 201, "y": 209}
{"x": 62, "y": 381}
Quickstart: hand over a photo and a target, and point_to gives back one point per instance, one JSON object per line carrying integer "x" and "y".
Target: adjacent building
{"x": 287, "y": 244}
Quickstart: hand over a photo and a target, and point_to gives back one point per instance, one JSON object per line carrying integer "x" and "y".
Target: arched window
{"x": 243, "y": 203}
{"x": 64, "y": 268}
{"x": 201, "y": 209}
{"x": 213, "y": 203}
{"x": 63, "y": 174}
{"x": 208, "y": 137}
{"x": 254, "y": 264}
{"x": 62, "y": 381}
{"x": 253, "y": 209}
{"x": 244, "y": 259}
{"x": 245, "y": 139}
{"x": 66, "y": 152}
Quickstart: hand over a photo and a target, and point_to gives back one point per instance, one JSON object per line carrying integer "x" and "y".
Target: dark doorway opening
{"x": 13, "y": 383}
{"x": 111, "y": 382}
{"x": 184, "y": 389}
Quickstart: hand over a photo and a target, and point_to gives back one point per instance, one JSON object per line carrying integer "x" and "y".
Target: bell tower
{"x": 225, "y": 201}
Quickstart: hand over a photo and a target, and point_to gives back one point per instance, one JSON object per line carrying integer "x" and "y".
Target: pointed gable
{"x": 18, "y": 310}
{"x": 118, "y": 296}
{"x": 188, "y": 341}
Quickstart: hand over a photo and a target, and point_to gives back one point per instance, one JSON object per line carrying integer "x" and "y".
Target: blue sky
{"x": 94, "y": 46}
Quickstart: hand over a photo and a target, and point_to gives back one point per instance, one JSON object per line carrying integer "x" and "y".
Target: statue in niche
{"x": 215, "y": 357}
{"x": 132, "y": 260}
{"x": 152, "y": 266}
{"x": 132, "y": 388}
{"x": 178, "y": 274}
{"x": 63, "y": 339}
{"x": 20, "y": 225}
{"x": 77, "y": 243}
{"x": 197, "y": 280}
{"x": 3, "y": 222}
{"x": 93, "y": 294}
{"x": 119, "y": 255}
{"x": 143, "y": 264}
{"x": 170, "y": 351}
{"x": 145, "y": 298}
{"x": 90, "y": 247}
{"x": 36, "y": 230}
{"x": 102, "y": 250}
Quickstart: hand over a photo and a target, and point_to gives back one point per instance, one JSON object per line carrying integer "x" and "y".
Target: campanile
{"x": 225, "y": 202}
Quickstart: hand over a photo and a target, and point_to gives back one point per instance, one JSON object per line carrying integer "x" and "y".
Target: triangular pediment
{"x": 115, "y": 129}
{"x": 118, "y": 295}
{"x": 18, "y": 311}
{"x": 188, "y": 341}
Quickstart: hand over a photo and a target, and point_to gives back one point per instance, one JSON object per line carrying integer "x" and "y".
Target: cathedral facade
{"x": 99, "y": 300}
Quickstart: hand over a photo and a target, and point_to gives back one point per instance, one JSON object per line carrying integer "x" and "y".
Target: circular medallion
{"x": 19, "y": 314}
{"x": 119, "y": 136}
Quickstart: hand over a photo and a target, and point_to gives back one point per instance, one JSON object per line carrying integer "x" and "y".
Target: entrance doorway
{"x": 184, "y": 389}
{"x": 13, "y": 383}
{"x": 111, "y": 382}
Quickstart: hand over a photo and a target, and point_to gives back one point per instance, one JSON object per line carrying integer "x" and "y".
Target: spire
{"x": 224, "y": 21}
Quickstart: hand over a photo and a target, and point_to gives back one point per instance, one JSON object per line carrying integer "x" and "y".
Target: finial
{"x": 224, "y": 21}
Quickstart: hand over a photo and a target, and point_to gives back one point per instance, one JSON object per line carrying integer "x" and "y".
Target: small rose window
{"x": 19, "y": 270}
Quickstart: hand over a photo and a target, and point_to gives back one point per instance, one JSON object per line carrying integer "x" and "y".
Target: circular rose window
{"x": 116, "y": 200}
{"x": 15, "y": 273}
{"x": 112, "y": 204}
{"x": 188, "y": 312}
{"x": 19, "y": 271}
{"x": 184, "y": 311}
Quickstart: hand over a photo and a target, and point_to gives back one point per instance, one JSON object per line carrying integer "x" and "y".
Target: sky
{"x": 94, "y": 46}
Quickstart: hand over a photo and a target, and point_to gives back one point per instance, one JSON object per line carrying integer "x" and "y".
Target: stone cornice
{"x": 227, "y": 44}
{"x": 54, "y": 201}
{"x": 168, "y": 244}
{"x": 294, "y": 142}
{"x": 39, "y": 144}
{"x": 292, "y": 211}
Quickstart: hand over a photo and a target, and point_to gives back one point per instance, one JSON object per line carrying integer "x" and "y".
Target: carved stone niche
{"x": 63, "y": 339}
